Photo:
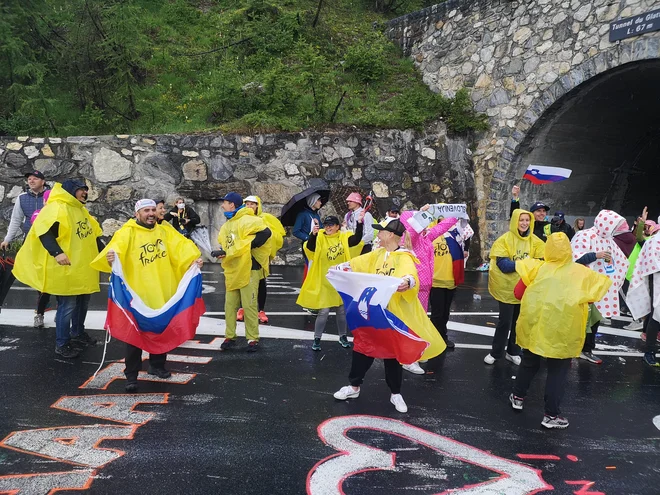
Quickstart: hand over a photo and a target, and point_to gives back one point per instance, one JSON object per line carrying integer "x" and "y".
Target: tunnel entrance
{"x": 607, "y": 130}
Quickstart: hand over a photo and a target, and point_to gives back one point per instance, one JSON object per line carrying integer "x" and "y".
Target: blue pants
{"x": 70, "y": 317}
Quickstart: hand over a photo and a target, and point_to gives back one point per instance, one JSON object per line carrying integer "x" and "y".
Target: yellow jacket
{"x": 331, "y": 250}
{"x": 153, "y": 260}
{"x": 403, "y": 305}
{"x": 555, "y": 306}
{"x": 515, "y": 247}
{"x": 276, "y": 228}
{"x": 77, "y": 235}
{"x": 235, "y": 237}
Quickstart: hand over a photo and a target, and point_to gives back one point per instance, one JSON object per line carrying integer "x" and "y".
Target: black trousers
{"x": 590, "y": 339}
{"x": 440, "y": 300}
{"x": 651, "y": 334}
{"x": 134, "y": 361}
{"x": 555, "y": 383}
{"x": 42, "y": 302}
{"x": 361, "y": 364}
{"x": 261, "y": 294}
{"x": 505, "y": 332}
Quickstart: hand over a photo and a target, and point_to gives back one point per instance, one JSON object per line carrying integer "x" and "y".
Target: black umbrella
{"x": 6, "y": 276}
{"x": 298, "y": 202}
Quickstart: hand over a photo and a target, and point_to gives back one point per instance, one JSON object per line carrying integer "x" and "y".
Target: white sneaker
{"x": 414, "y": 368}
{"x": 634, "y": 325}
{"x": 38, "y": 321}
{"x": 399, "y": 403}
{"x": 347, "y": 392}
{"x": 606, "y": 321}
{"x": 514, "y": 359}
{"x": 489, "y": 359}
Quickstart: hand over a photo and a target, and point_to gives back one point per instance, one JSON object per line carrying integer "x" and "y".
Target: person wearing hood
{"x": 355, "y": 210}
{"x": 305, "y": 222}
{"x": 183, "y": 217}
{"x": 22, "y": 218}
{"x": 538, "y": 209}
{"x": 596, "y": 248}
{"x": 391, "y": 260}
{"x": 552, "y": 328}
{"x": 558, "y": 224}
{"x": 154, "y": 259}
{"x": 55, "y": 259}
{"x": 276, "y": 242}
{"x": 625, "y": 238}
{"x": 643, "y": 299}
{"x": 327, "y": 248}
{"x": 245, "y": 251}
{"x": 517, "y": 244}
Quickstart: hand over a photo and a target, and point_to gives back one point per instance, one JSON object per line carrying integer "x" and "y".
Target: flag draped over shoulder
{"x": 377, "y": 331}
{"x": 159, "y": 330}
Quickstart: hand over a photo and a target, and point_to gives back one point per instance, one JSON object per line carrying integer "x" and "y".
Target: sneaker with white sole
{"x": 589, "y": 356}
{"x": 399, "y": 403}
{"x": 514, "y": 359}
{"x": 556, "y": 422}
{"x": 489, "y": 359}
{"x": 414, "y": 368}
{"x": 347, "y": 392}
{"x": 634, "y": 325}
{"x": 516, "y": 402}
{"x": 38, "y": 321}
{"x": 606, "y": 321}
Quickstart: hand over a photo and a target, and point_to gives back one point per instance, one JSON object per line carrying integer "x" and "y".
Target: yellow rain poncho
{"x": 77, "y": 235}
{"x": 515, "y": 247}
{"x": 331, "y": 250}
{"x": 555, "y": 306}
{"x": 276, "y": 228}
{"x": 153, "y": 260}
{"x": 235, "y": 237}
{"x": 404, "y": 305}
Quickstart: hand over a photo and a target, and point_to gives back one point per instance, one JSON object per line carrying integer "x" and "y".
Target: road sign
{"x": 634, "y": 26}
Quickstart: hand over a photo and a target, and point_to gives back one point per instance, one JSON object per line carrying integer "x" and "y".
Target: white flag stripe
{"x": 542, "y": 169}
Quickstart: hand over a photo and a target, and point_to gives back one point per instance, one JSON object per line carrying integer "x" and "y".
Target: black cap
{"x": 331, "y": 220}
{"x": 395, "y": 226}
{"x": 395, "y": 208}
{"x": 538, "y": 205}
{"x": 37, "y": 173}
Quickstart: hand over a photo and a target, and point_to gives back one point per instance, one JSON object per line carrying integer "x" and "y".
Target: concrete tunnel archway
{"x": 607, "y": 130}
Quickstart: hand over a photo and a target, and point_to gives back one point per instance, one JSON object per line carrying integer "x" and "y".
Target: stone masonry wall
{"x": 519, "y": 57}
{"x": 404, "y": 166}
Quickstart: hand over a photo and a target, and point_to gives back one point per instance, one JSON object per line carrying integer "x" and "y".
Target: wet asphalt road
{"x": 249, "y": 423}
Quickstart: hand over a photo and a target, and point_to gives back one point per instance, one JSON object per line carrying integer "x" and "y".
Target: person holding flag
{"x": 55, "y": 259}
{"x": 155, "y": 299}
{"x": 277, "y": 240}
{"x": 401, "y": 332}
{"x": 326, "y": 248}
{"x": 538, "y": 209}
{"x": 245, "y": 251}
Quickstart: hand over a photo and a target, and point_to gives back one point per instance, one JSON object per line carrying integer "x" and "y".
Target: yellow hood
{"x": 513, "y": 224}
{"x": 558, "y": 249}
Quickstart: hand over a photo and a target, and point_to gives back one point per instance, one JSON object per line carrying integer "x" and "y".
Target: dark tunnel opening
{"x": 607, "y": 130}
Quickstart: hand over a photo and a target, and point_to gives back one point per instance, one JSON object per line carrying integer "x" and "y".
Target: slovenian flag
{"x": 156, "y": 331}
{"x": 377, "y": 332}
{"x": 539, "y": 174}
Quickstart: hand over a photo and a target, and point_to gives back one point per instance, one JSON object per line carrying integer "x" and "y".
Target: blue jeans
{"x": 70, "y": 317}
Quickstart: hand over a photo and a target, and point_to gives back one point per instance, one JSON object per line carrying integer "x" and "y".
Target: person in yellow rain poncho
{"x": 515, "y": 245}
{"x": 154, "y": 259}
{"x": 391, "y": 260}
{"x": 326, "y": 248}
{"x": 276, "y": 241}
{"x": 245, "y": 251}
{"x": 554, "y": 309}
{"x": 55, "y": 259}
